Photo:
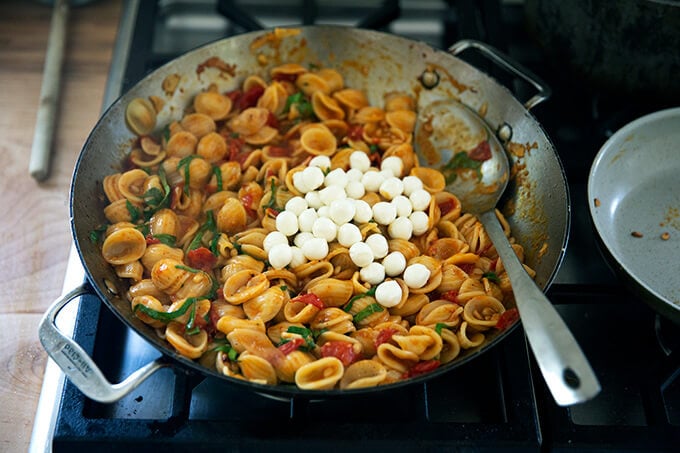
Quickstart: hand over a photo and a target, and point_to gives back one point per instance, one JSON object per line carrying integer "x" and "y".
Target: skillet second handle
{"x": 564, "y": 367}
{"x": 77, "y": 365}
{"x": 510, "y": 65}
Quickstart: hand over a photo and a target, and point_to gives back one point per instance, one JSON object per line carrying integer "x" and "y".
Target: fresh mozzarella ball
{"x": 336, "y": 177}
{"x": 332, "y": 193}
{"x": 355, "y": 189}
{"x": 312, "y": 177}
{"x": 388, "y": 294}
{"x": 391, "y": 187}
{"x": 272, "y": 239}
{"x": 306, "y": 219}
{"x": 287, "y": 223}
{"x": 315, "y": 249}
{"x": 354, "y": 174}
{"x": 296, "y": 205}
{"x": 349, "y": 234}
{"x": 416, "y": 275}
{"x": 298, "y": 258}
{"x": 411, "y": 183}
{"x": 372, "y": 180}
{"x": 394, "y": 264}
{"x": 342, "y": 211}
{"x": 420, "y": 199}
{"x": 313, "y": 199}
{"x": 393, "y": 164}
{"x": 324, "y": 211}
{"x": 361, "y": 254}
{"x": 403, "y": 205}
{"x": 325, "y": 228}
{"x": 360, "y": 161}
{"x": 378, "y": 245}
{"x": 384, "y": 213}
{"x": 280, "y": 256}
{"x": 363, "y": 212}
{"x": 374, "y": 273}
{"x": 386, "y": 174}
{"x": 301, "y": 238}
{"x": 420, "y": 221}
{"x": 299, "y": 183}
{"x": 320, "y": 161}
{"x": 401, "y": 228}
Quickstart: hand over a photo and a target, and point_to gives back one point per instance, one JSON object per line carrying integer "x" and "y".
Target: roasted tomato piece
{"x": 341, "y": 350}
{"x": 446, "y": 207}
{"x": 356, "y": 132}
{"x": 272, "y": 121}
{"x": 291, "y": 345}
{"x": 250, "y": 97}
{"x": 279, "y": 151}
{"x": 201, "y": 258}
{"x": 507, "y": 319}
{"x": 451, "y": 296}
{"x": 467, "y": 267}
{"x": 150, "y": 240}
{"x": 384, "y": 336}
{"x": 422, "y": 368}
{"x": 481, "y": 153}
{"x": 309, "y": 298}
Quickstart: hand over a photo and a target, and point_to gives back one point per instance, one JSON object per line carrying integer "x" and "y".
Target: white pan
{"x": 634, "y": 199}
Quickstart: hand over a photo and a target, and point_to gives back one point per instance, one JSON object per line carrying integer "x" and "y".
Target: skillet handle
{"x": 77, "y": 365}
{"x": 510, "y": 65}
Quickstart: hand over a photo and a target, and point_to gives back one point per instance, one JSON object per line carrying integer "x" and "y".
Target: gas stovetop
{"x": 498, "y": 402}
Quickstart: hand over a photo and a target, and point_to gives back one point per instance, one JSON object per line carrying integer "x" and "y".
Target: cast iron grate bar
{"x": 382, "y": 16}
{"x": 232, "y": 11}
{"x": 630, "y": 414}
{"x": 138, "y": 64}
{"x": 308, "y": 11}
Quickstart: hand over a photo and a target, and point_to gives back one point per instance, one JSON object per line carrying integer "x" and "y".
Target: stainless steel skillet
{"x": 537, "y": 202}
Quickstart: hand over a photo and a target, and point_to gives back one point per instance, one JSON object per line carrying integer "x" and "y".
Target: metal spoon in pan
{"x": 479, "y": 178}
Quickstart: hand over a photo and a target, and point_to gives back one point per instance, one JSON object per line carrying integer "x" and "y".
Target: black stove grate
{"x": 491, "y": 404}
{"x": 487, "y": 405}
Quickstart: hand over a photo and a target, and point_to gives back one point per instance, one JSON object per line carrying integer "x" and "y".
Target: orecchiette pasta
{"x": 257, "y": 230}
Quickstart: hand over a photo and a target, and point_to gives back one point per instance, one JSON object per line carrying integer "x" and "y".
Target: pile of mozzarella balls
{"x": 332, "y": 208}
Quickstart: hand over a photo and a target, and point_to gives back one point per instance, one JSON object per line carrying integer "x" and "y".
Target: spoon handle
{"x": 564, "y": 367}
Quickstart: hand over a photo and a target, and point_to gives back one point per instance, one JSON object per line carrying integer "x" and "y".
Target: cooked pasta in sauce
{"x": 285, "y": 233}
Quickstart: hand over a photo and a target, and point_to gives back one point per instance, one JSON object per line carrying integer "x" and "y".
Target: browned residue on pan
{"x": 425, "y": 144}
{"x": 267, "y": 47}
{"x": 273, "y": 38}
{"x": 622, "y": 151}
{"x": 520, "y": 149}
{"x": 461, "y": 87}
{"x": 157, "y": 102}
{"x": 532, "y": 208}
{"x": 671, "y": 218}
{"x": 361, "y": 68}
{"x": 170, "y": 83}
{"x": 217, "y": 63}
